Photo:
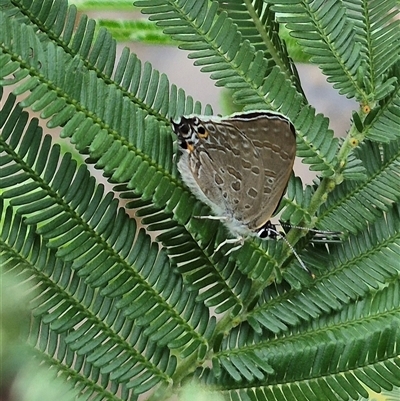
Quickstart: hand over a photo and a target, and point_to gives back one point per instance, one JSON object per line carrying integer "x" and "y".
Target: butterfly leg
{"x": 239, "y": 241}
{"x": 209, "y": 217}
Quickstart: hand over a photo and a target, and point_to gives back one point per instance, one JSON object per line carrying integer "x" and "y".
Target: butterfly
{"x": 238, "y": 165}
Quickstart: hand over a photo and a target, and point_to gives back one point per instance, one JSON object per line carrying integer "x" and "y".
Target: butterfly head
{"x": 189, "y": 131}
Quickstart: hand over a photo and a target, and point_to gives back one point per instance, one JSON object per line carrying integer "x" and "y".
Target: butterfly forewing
{"x": 233, "y": 163}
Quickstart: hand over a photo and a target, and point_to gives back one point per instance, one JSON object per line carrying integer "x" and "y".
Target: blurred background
{"x": 181, "y": 71}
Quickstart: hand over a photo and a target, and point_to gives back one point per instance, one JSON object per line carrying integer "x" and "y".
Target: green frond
{"x": 331, "y": 345}
{"x": 106, "y": 134}
{"x": 294, "y": 50}
{"x": 72, "y": 314}
{"x": 296, "y": 200}
{"x": 325, "y": 32}
{"x": 356, "y": 267}
{"x": 87, "y": 51}
{"x": 335, "y": 360}
{"x": 384, "y": 124}
{"x": 378, "y": 30}
{"x": 218, "y": 47}
{"x": 84, "y": 226}
{"x": 354, "y": 169}
{"x": 102, "y": 126}
{"x": 256, "y": 23}
{"x": 193, "y": 254}
{"x": 354, "y": 204}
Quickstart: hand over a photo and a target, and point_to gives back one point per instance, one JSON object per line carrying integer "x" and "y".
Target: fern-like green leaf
{"x": 71, "y": 313}
{"x": 385, "y": 119}
{"x": 355, "y": 204}
{"x": 325, "y": 32}
{"x": 134, "y": 271}
{"x": 215, "y": 43}
{"x": 280, "y": 318}
{"x": 378, "y": 30}
{"x": 257, "y": 24}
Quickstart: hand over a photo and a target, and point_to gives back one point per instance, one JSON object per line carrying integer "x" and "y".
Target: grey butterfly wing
{"x": 273, "y": 139}
{"x": 221, "y": 167}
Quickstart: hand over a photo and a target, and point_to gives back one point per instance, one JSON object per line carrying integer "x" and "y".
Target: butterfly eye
{"x": 184, "y": 128}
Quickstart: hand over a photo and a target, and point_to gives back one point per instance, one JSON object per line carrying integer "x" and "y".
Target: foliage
{"x": 127, "y": 293}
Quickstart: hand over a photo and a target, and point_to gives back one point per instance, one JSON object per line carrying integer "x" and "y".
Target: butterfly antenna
{"x": 323, "y": 235}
